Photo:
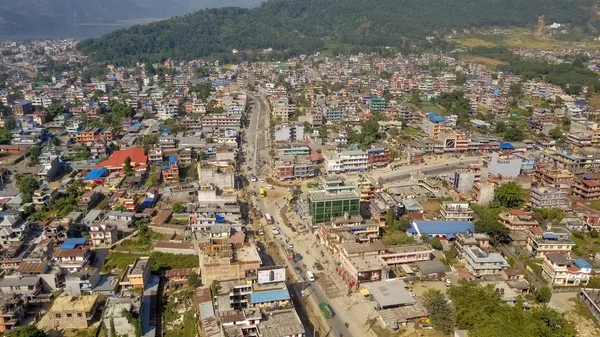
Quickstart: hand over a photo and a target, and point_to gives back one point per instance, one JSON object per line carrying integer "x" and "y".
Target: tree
{"x": 28, "y": 331}
{"x": 393, "y": 132}
{"x": 56, "y": 109}
{"x": 194, "y": 280}
{"x": 509, "y": 195}
{"x": 497, "y": 233}
{"x": 178, "y": 208}
{"x": 10, "y": 123}
{"x": 436, "y": 243}
{"x": 415, "y": 98}
{"x": 556, "y": 133}
{"x": 34, "y": 155}
{"x": 26, "y": 185}
{"x": 500, "y": 127}
{"x": 514, "y": 134}
{"x": 594, "y": 233}
{"x": 543, "y": 295}
{"x": 127, "y": 165}
{"x": 440, "y": 311}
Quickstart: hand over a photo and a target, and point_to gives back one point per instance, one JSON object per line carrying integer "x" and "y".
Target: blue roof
{"x": 23, "y": 103}
{"x": 440, "y": 227}
{"x": 95, "y": 173}
{"x": 165, "y": 167}
{"x": 581, "y": 263}
{"x": 173, "y": 159}
{"x": 435, "y": 118}
{"x": 506, "y": 146}
{"x": 71, "y": 243}
{"x": 269, "y": 296}
{"x": 549, "y": 236}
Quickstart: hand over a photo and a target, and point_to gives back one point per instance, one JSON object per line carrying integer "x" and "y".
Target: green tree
{"x": 415, "y": 98}
{"x": 34, "y": 155}
{"x": 500, "y": 127}
{"x": 27, "y": 331}
{"x": 56, "y": 109}
{"x": 10, "y": 123}
{"x": 436, "y": 243}
{"x": 509, "y": 194}
{"x": 127, "y": 165}
{"x": 393, "y": 132}
{"x": 178, "y": 208}
{"x": 194, "y": 280}
{"x": 440, "y": 311}
{"x": 26, "y": 186}
{"x": 543, "y": 295}
{"x": 514, "y": 134}
{"x": 557, "y": 134}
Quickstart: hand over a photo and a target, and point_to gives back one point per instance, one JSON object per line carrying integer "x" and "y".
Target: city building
{"x": 586, "y": 188}
{"x": 554, "y": 176}
{"x": 170, "y": 171}
{"x": 22, "y": 108}
{"x": 464, "y": 179}
{"x": 103, "y": 234}
{"x": 137, "y": 274}
{"x": 479, "y": 263}
{"x": 69, "y": 312}
{"x": 377, "y": 104}
{"x": 11, "y": 311}
{"x": 346, "y": 161}
{"x": 518, "y": 220}
{"x": 559, "y": 270}
{"x": 540, "y": 243}
{"x": 505, "y": 165}
{"x": 550, "y": 196}
{"x": 93, "y": 135}
{"x": 591, "y": 299}
{"x": 440, "y": 228}
{"x": 434, "y": 125}
{"x": 333, "y": 199}
{"x": 456, "y": 211}
{"x": 378, "y": 157}
{"x": 116, "y": 161}
{"x": 362, "y": 262}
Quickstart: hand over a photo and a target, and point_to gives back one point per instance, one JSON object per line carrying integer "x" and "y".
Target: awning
{"x": 365, "y": 292}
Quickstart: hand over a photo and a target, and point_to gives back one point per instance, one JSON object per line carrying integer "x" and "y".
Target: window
{"x": 79, "y": 314}
{"x": 57, "y": 315}
{"x": 69, "y": 315}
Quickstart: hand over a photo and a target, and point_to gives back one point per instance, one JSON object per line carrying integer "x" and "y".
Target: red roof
{"x": 536, "y": 230}
{"x": 590, "y": 183}
{"x": 117, "y": 159}
{"x": 518, "y": 212}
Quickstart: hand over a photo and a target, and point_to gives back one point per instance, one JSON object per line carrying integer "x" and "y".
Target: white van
{"x": 310, "y": 276}
{"x": 270, "y": 187}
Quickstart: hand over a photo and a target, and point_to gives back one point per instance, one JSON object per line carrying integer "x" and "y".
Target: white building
{"x": 347, "y": 161}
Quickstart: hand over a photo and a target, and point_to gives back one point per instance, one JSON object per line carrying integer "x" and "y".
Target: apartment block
{"x": 456, "y": 211}
{"x": 554, "y": 176}
{"x": 434, "y": 125}
{"x": 518, "y": 220}
{"x": 505, "y": 165}
{"x": 333, "y": 199}
{"x": 378, "y": 157}
{"x": 559, "y": 270}
{"x": 587, "y": 188}
{"x": 346, "y": 161}
{"x": 479, "y": 263}
{"x": 540, "y": 243}
{"x": 550, "y": 196}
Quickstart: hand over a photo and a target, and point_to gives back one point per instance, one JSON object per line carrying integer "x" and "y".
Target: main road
{"x": 427, "y": 168}
{"x": 258, "y": 136}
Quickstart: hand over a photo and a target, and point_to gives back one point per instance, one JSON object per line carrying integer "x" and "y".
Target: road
{"x": 429, "y": 168}
{"x": 258, "y": 135}
{"x": 534, "y": 280}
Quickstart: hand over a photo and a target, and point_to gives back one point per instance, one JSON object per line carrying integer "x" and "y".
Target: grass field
{"x": 431, "y": 107}
{"x": 489, "y": 62}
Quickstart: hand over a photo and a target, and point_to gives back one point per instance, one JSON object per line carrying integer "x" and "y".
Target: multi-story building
{"x": 95, "y": 134}
{"x": 464, "y": 179}
{"x": 434, "y": 125}
{"x": 550, "y": 196}
{"x": 287, "y": 170}
{"x": 456, "y": 211}
{"x": 394, "y": 256}
{"x": 346, "y": 161}
{"x": 505, "y": 165}
{"x": 333, "y": 199}
{"x": 289, "y": 133}
{"x": 554, "y": 176}
{"x": 170, "y": 171}
{"x": 103, "y": 234}
{"x": 540, "y": 243}
{"x": 137, "y": 274}
{"x": 362, "y": 262}
{"x": 559, "y": 270}
{"x": 22, "y": 108}
{"x": 73, "y": 312}
{"x": 222, "y": 120}
{"x": 282, "y": 110}
{"x": 333, "y": 114}
{"x": 591, "y": 299}
{"x": 11, "y": 312}
{"x": 73, "y": 255}
{"x": 584, "y": 158}
{"x": 587, "y": 188}
{"x": 378, "y": 157}
{"x": 479, "y": 263}
{"x": 518, "y": 220}
{"x": 377, "y": 104}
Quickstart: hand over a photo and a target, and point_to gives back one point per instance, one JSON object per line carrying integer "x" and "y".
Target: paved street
{"x": 431, "y": 167}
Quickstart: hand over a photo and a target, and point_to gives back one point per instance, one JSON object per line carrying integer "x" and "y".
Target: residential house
{"x": 459, "y": 211}
{"x": 559, "y": 270}
{"x": 540, "y": 243}
{"x": 103, "y": 234}
{"x": 518, "y": 220}
{"x": 587, "y": 188}
{"x": 27, "y": 287}
{"x": 73, "y": 255}
{"x": 479, "y": 263}
{"x": 11, "y": 312}
{"x": 69, "y": 312}
{"x": 137, "y": 274}
{"x": 550, "y": 196}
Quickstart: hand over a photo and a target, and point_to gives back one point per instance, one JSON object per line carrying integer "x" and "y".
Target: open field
{"x": 489, "y": 62}
{"x": 431, "y": 107}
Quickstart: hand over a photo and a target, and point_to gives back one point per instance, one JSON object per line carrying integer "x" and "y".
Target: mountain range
{"x": 89, "y": 18}
{"x": 292, "y": 27}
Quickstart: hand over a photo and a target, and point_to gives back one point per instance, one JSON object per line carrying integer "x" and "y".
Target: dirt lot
{"x": 577, "y": 313}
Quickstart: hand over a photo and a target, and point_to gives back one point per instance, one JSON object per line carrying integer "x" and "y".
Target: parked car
{"x": 298, "y": 270}
{"x": 290, "y": 245}
{"x": 318, "y": 266}
{"x": 298, "y": 256}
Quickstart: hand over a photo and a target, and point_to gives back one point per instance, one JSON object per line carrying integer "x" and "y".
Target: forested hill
{"x": 303, "y": 26}
{"x": 85, "y": 18}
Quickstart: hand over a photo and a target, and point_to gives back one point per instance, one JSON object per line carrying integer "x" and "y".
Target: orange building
{"x": 116, "y": 161}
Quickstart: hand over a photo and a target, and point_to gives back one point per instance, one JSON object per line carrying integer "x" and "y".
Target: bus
{"x": 261, "y": 192}
{"x": 269, "y": 219}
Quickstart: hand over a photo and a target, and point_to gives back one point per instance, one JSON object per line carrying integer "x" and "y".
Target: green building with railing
{"x": 334, "y": 198}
